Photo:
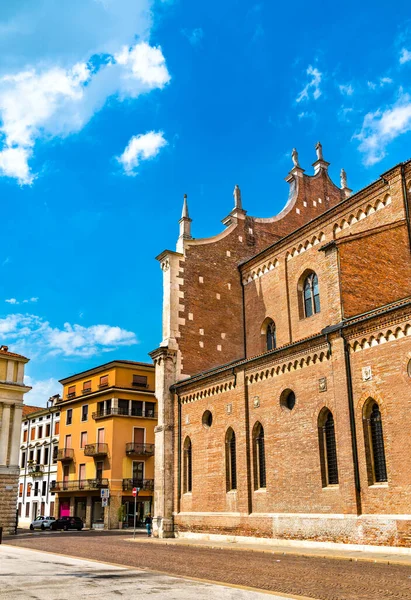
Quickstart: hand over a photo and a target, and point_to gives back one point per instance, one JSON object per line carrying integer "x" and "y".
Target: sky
{"x": 112, "y": 110}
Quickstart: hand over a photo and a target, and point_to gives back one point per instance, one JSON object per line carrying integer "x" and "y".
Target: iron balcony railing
{"x": 142, "y": 484}
{"x": 147, "y": 413}
{"x": 140, "y": 449}
{"x": 78, "y": 484}
{"x": 65, "y": 454}
{"x": 95, "y": 450}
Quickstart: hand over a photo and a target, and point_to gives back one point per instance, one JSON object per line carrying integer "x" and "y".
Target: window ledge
{"x": 335, "y": 486}
{"x": 232, "y": 492}
{"x": 260, "y": 491}
{"x": 188, "y": 494}
{"x": 378, "y": 485}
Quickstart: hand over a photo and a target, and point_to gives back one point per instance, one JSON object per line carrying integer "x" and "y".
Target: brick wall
{"x": 211, "y": 326}
{"x": 365, "y": 283}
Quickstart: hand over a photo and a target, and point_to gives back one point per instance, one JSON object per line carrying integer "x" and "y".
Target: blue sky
{"x": 111, "y": 110}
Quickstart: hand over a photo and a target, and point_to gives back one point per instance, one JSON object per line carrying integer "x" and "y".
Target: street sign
{"x": 105, "y": 493}
{"x": 134, "y": 492}
{"x": 104, "y": 502}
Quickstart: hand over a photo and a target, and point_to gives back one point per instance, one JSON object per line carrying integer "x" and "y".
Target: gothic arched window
{"x": 188, "y": 466}
{"x": 311, "y": 295}
{"x": 328, "y": 448}
{"x": 270, "y": 336}
{"x": 377, "y": 444}
{"x": 259, "y": 456}
{"x": 231, "y": 460}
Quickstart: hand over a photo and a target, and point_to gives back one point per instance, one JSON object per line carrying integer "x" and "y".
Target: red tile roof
{"x": 4, "y": 351}
{"x": 27, "y": 410}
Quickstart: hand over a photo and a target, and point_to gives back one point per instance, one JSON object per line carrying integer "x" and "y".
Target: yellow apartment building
{"x": 107, "y": 421}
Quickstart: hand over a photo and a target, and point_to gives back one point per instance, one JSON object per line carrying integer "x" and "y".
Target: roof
{"x": 104, "y": 367}
{"x": 4, "y": 351}
{"x": 27, "y": 410}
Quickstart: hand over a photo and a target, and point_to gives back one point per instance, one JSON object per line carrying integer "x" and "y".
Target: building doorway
{"x": 80, "y": 508}
{"x": 64, "y": 508}
{"x": 97, "y": 513}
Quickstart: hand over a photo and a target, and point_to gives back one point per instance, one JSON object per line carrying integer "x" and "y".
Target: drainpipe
{"x": 50, "y": 453}
{"x": 179, "y": 456}
{"x": 352, "y": 424}
{"x": 406, "y": 205}
{"x": 248, "y": 447}
{"x": 244, "y": 317}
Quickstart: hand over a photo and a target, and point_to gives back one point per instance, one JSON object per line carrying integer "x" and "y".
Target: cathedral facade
{"x": 283, "y": 377}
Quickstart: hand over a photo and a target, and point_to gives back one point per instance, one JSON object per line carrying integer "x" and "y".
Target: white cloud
{"x": 141, "y": 147}
{"x": 15, "y": 301}
{"x": 31, "y": 335}
{"x": 313, "y": 87}
{"x": 381, "y": 127}
{"x": 41, "y": 390}
{"x": 405, "y": 56}
{"x": 383, "y": 81}
{"x": 307, "y": 115}
{"x": 55, "y": 96}
{"x": 194, "y": 36}
{"x": 346, "y": 90}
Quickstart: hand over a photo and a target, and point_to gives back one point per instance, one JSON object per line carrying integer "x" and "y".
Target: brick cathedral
{"x": 284, "y": 374}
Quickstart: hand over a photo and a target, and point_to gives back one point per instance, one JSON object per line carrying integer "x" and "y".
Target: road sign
{"x": 104, "y": 502}
{"x": 134, "y": 492}
{"x": 105, "y": 493}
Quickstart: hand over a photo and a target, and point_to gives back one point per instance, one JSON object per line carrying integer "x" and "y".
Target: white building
{"x": 38, "y": 463}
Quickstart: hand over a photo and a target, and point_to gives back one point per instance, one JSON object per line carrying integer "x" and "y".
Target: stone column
{"x": 14, "y": 454}
{"x": 111, "y": 512}
{"x": 165, "y": 363}
{"x": 4, "y": 434}
{"x": 88, "y": 512}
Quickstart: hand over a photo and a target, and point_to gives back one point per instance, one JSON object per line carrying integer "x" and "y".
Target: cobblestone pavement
{"x": 26, "y": 573}
{"x": 323, "y": 579}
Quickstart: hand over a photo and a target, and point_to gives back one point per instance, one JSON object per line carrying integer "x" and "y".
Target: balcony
{"x": 142, "y": 484}
{"x": 35, "y": 470}
{"x": 138, "y": 384}
{"x": 95, "y": 450}
{"x": 65, "y": 454}
{"x": 133, "y": 449}
{"x": 78, "y": 484}
{"x": 71, "y": 395}
{"x": 86, "y": 391}
{"x": 148, "y": 413}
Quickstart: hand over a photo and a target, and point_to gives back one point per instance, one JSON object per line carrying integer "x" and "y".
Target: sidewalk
{"x": 377, "y": 554}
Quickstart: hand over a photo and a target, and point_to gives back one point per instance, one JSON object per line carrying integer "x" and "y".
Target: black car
{"x": 67, "y": 523}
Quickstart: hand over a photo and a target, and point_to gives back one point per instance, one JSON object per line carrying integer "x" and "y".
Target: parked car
{"x": 67, "y": 523}
{"x": 42, "y": 523}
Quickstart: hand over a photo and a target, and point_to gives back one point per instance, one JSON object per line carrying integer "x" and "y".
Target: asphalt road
{"x": 313, "y": 577}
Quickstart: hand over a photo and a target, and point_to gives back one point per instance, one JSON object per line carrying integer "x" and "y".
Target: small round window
{"x": 207, "y": 419}
{"x": 287, "y": 399}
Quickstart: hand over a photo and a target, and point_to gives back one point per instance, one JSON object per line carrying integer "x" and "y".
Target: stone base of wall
{"x": 375, "y": 530}
{"x": 9, "y": 479}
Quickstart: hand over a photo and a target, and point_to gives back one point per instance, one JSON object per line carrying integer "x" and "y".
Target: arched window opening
{"x": 287, "y": 399}
{"x": 377, "y": 443}
{"x": 311, "y": 295}
{"x": 259, "y": 457}
{"x": 188, "y": 466}
{"x": 271, "y": 336}
{"x": 231, "y": 460}
{"x": 328, "y": 448}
